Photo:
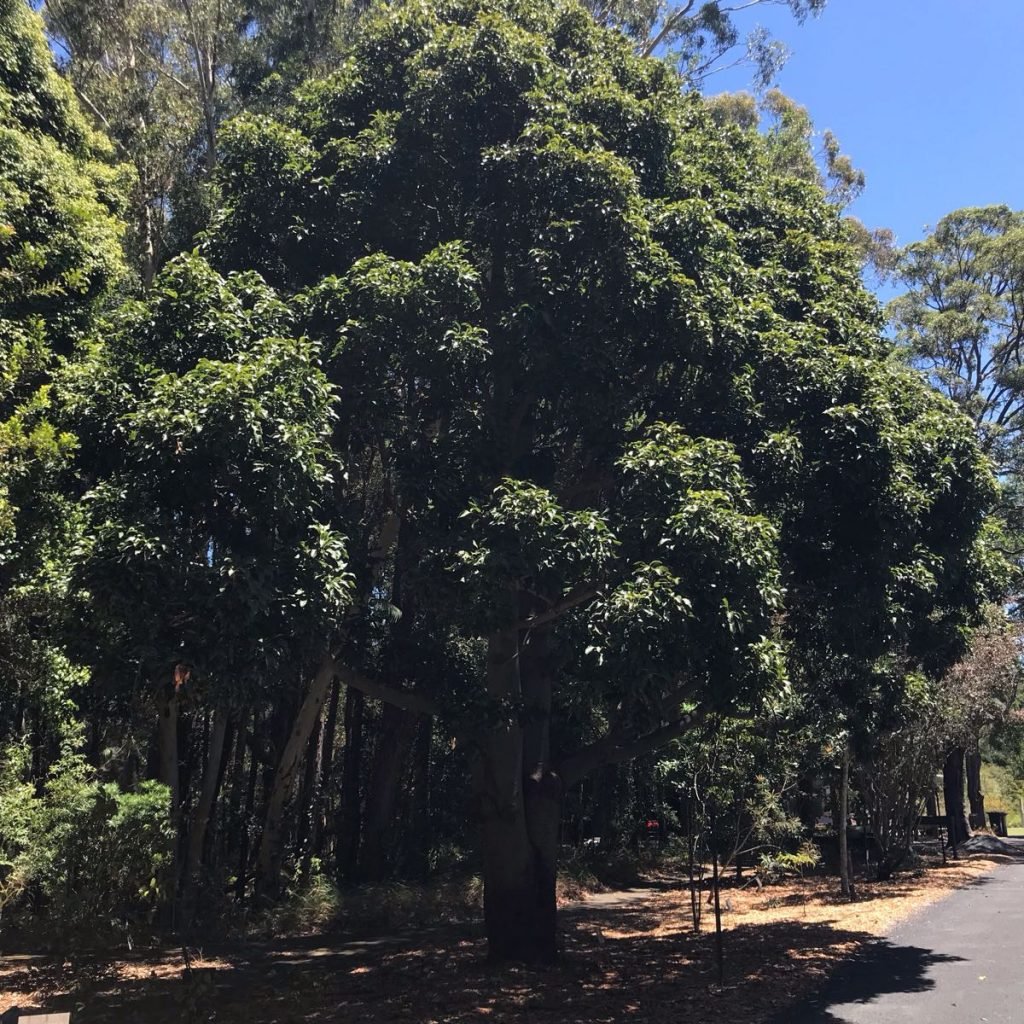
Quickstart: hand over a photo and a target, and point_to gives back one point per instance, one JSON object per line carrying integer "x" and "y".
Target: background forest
{"x": 437, "y": 438}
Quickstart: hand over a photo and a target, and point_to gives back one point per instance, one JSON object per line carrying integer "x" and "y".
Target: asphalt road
{"x": 960, "y": 961}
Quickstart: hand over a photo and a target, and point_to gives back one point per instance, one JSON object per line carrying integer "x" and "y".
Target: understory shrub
{"x": 83, "y": 856}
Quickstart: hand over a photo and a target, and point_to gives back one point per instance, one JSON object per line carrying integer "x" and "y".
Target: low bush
{"x": 82, "y": 858}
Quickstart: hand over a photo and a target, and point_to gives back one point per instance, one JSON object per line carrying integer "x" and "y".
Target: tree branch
{"x": 407, "y": 700}
{"x": 612, "y": 749}
{"x": 670, "y": 23}
{"x": 577, "y": 596}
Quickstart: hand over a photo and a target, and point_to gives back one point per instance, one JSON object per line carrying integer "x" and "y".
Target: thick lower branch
{"x": 614, "y": 749}
{"x": 581, "y": 595}
{"x": 407, "y": 700}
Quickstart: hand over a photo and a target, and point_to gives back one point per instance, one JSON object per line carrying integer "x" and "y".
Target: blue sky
{"x": 925, "y": 95}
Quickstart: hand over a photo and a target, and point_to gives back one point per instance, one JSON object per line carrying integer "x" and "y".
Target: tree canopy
{"x": 615, "y": 379}
{"x": 960, "y": 320}
{"x": 519, "y": 410}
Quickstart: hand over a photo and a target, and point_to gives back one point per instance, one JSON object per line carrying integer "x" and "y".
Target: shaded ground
{"x": 627, "y": 957}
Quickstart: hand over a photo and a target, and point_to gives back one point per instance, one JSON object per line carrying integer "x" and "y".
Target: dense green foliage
{"x": 534, "y": 264}
{"x": 59, "y": 240}
{"x": 205, "y": 428}
{"x": 59, "y": 257}
{"x": 519, "y": 416}
{"x": 93, "y": 857}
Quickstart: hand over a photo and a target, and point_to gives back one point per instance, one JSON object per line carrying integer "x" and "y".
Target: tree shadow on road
{"x": 879, "y": 968}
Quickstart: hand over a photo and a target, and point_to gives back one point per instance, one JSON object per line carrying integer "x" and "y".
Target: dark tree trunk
{"x": 845, "y": 874}
{"x": 543, "y": 789}
{"x": 216, "y": 825}
{"x": 167, "y": 745}
{"x": 953, "y": 795}
{"x": 421, "y": 800}
{"x": 349, "y": 809}
{"x": 232, "y": 825}
{"x": 393, "y": 743}
{"x": 519, "y": 804}
{"x": 975, "y": 797}
{"x": 242, "y": 879}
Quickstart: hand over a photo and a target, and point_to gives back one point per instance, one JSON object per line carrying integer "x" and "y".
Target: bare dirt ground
{"x": 627, "y": 957}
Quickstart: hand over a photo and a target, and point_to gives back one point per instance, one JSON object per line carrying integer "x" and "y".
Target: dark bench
{"x": 997, "y": 820}
{"x": 939, "y": 824}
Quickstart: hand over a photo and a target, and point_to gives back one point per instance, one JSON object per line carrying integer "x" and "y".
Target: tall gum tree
{"x": 613, "y": 392}
{"x": 960, "y": 323}
{"x": 159, "y": 77}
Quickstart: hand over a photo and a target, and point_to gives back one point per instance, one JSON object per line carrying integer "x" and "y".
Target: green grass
{"x": 1002, "y": 792}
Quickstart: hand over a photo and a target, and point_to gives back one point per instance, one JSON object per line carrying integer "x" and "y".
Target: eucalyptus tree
{"x": 613, "y": 404}
{"x": 159, "y": 77}
{"x": 702, "y": 38}
{"x": 791, "y": 141}
{"x": 960, "y": 321}
{"x": 795, "y": 147}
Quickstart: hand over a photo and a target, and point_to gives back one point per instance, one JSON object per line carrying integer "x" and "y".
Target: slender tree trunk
{"x": 715, "y": 882}
{"x": 316, "y": 841}
{"x": 349, "y": 809}
{"x": 192, "y": 743}
{"x": 147, "y": 230}
{"x": 167, "y": 746}
{"x": 543, "y": 790}
{"x": 204, "y": 808}
{"x": 389, "y": 756}
{"x": 953, "y": 796}
{"x": 234, "y": 806}
{"x": 215, "y": 824}
{"x": 421, "y": 841}
{"x": 975, "y": 796}
{"x": 268, "y": 861}
{"x": 247, "y": 818}
{"x": 694, "y": 863}
{"x": 845, "y": 879}
{"x": 307, "y": 792}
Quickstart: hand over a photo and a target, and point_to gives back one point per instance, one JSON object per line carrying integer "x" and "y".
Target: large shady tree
{"x": 620, "y": 438}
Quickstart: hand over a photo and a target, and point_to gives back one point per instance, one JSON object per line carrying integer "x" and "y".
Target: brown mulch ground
{"x": 636, "y": 962}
